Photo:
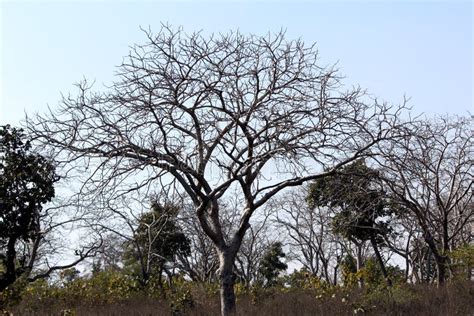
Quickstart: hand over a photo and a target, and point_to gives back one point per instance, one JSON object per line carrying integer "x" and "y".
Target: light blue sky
{"x": 421, "y": 49}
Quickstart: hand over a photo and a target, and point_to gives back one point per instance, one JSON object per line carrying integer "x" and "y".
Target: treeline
{"x": 343, "y": 233}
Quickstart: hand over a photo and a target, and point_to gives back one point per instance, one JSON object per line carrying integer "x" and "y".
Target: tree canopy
{"x": 364, "y": 208}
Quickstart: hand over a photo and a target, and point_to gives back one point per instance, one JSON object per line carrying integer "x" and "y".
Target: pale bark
{"x": 227, "y": 281}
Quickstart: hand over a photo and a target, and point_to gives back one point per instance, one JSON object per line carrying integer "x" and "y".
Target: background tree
{"x": 349, "y": 269}
{"x": 309, "y": 233}
{"x": 363, "y": 206}
{"x": 431, "y": 173}
{"x": 109, "y": 255}
{"x": 26, "y": 183}
{"x": 157, "y": 242}
{"x": 422, "y": 262}
{"x": 271, "y": 265}
{"x": 202, "y": 263}
{"x": 257, "y": 241}
{"x": 69, "y": 275}
{"x": 204, "y": 115}
{"x": 402, "y": 241}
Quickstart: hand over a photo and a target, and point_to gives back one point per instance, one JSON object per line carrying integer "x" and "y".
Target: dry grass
{"x": 455, "y": 299}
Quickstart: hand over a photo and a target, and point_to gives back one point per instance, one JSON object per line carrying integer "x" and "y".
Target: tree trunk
{"x": 336, "y": 267}
{"x": 380, "y": 260}
{"x": 443, "y": 262}
{"x": 160, "y": 277}
{"x": 428, "y": 266}
{"x": 415, "y": 274}
{"x": 359, "y": 262}
{"x": 440, "y": 259}
{"x": 441, "y": 269}
{"x": 326, "y": 270}
{"x": 227, "y": 280}
{"x": 10, "y": 274}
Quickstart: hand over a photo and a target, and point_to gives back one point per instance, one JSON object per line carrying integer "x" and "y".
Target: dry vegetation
{"x": 454, "y": 299}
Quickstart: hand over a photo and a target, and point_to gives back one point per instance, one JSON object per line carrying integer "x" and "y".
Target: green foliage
{"x": 113, "y": 293}
{"x": 462, "y": 261}
{"x": 350, "y": 275}
{"x": 102, "y": 288}
{"x": 12, "y": 295}
{"x": 26, "y": 183}
{"x": 303, "y": 279}
{"x": 181, "y": 302}
{"x": 271, "y": 264}
{"x": 159, "y": 240}
{"x": 361, "y": 205}
{"x": 69, "y": 275}
{"x": 371, "y": 274}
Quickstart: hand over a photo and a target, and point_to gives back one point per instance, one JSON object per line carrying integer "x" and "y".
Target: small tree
{"x": 157, "y": 242}
{"x": 202, "y": 263}
{"x": 271, "y": 264}
{"x": 26, "y": 183}
{"x": 349, "y": 270}
{"x": 310, "y": 237}
{"x": 254, "y": 246}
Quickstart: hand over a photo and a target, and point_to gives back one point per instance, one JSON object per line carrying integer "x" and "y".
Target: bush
{"x": 462, "y": 262}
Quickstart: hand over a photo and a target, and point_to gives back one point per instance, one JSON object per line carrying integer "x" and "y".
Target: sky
{"x": 421, "y": 50}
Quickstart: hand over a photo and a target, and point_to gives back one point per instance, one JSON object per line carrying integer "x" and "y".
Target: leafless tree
{"x": 203, "y": 115}
{"x": 201, "y": 265}
{"x": 310, "y": 236}
{"x": 109, "y": 255}
{"x": 118, "y": 220}
{"x": 431, "y": 172}
{"x": 402, "y": 240}
{"x": 256, "y": 242}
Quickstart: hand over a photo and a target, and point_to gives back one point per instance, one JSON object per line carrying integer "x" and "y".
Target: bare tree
{"x": 310, "y": 235}
{"x": 145, "y": 240}
{"x": 202, "y": 263}
{"x": 203, "y": 115}
{"x": 256, "y": 242}
{"x": 51, "y": 249}
{"x": 109, "y": 255}
{"x": 431, "y": 172}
